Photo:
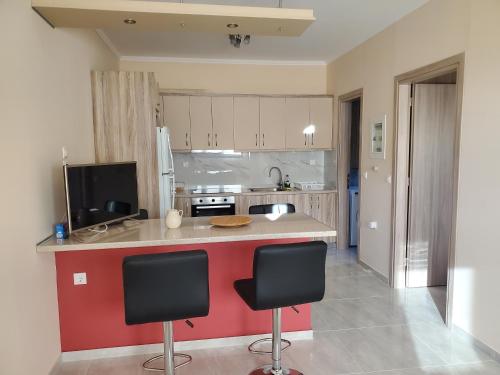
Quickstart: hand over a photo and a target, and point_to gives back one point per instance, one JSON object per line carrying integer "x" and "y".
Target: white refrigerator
{"x": 166, "y": 171}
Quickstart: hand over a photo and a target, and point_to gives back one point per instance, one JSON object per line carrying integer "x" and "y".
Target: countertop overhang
{"x": 154, "y": 232}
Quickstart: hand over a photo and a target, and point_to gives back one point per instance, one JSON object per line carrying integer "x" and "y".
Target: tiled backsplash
{"x": 252, "y": 168}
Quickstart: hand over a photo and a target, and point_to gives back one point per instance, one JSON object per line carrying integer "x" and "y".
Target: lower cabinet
{"x": 245, "y": 201}
{"x": 322, "y": 206}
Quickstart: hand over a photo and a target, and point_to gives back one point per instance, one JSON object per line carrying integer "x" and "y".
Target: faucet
{"x": 280, "y": 183}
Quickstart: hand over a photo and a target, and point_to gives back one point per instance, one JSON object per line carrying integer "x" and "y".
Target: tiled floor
{"x": 361, "y": 327}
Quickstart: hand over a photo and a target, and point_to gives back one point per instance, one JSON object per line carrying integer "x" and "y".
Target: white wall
{"x": 236, "y": 78}
{"x": 433, "y": 32}
{"x": 45, "y": 103}
{"x": 439, "y": 29}
{"x": 477, "y": 281}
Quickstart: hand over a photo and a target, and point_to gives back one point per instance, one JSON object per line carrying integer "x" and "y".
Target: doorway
{"x": 349, "y": 152}
{"x": 425, "y": 189}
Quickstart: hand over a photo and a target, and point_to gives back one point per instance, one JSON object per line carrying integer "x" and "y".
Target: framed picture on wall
{"x": 377, "y": 140}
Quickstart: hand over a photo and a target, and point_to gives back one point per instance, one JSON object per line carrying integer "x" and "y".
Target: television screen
{"x": 100, "y": 194}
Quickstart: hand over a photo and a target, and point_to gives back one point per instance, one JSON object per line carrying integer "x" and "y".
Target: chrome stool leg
{"x": 275, "y": 368}
{"x": 168, "y": 354}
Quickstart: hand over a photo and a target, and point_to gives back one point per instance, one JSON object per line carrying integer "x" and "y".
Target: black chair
{"x": 164, "y": 288}
{"x": 285, "y": 208}
{"x": 283, "y": 276}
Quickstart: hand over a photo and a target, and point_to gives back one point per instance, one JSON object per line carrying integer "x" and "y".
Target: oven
{"x": 212, "y": 206}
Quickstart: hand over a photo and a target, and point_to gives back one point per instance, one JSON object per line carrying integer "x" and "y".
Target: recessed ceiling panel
{"x": 157, "y": 16}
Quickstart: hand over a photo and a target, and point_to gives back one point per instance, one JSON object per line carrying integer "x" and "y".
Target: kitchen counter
{"x": 91, "y": 315}
{"x": 154, "y": 232}
{"x": 248, "y": 192}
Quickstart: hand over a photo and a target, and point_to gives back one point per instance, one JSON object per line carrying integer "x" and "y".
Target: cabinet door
{"x": 321, "y": 116}
{"x": 223, "y": 123}
{"x": 325, "y": 208}
{"x": 297, "y": 119}
{"x": 245, "y": 201}
{"x": 176, "y": 118}
{"x": 272, "y": 124}
{"x": 183, "y": 204}
{"x": 246, "y": 123}
{"x": 200, "y": 110}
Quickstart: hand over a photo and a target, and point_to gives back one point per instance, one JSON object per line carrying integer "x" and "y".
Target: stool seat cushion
{"x": 285, "y": 275}
{"x": 165, "y": 287}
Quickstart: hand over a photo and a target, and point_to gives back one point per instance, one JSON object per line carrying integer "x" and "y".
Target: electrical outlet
{"x": 80, "y": 278}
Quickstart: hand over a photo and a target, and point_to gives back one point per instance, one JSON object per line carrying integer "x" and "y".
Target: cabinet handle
{"x": 256, "y": 139}
{"x": 187, "y": 144}
{"x": 216, "y": 142}
{"x": 263, "y": 140}
{"x": 208, "y": 139}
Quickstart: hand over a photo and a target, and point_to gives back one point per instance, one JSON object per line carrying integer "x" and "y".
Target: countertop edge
{"x": 190, "y": 195}
{"x": 154, "y": 243}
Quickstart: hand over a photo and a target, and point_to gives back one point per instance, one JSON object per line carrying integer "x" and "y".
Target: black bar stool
{"x": 164, "y": 288}
{"x": 284, "y": 276}
{"x": 274, "y": 208}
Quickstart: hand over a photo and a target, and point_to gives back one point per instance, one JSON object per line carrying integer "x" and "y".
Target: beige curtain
{"x": 126, "y": 114}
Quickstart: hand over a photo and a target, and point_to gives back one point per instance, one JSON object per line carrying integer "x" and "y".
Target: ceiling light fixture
{"x": 236, "y": 39}
{"x": 130, "y": 21}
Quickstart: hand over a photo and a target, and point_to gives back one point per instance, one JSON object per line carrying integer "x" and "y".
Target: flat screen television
{"x": 98, "y": 194}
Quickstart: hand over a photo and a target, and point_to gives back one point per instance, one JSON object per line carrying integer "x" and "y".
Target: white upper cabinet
{"x": 321, "y": 117}
{"x": 272, "y": 124}
{"x": 176, "y": 118}
{"x": 223, "y": 123}
{"x": 297, "y": 120}
{"x": 200, "y": 109}
{"x": 246, "y": 123}
{"x": 249, "y": 123}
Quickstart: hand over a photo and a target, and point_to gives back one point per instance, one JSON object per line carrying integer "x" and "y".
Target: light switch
{"x": 80, "y": 278}
{"x": 389, "y": 179}
{"x": 375, "y": 168}
{"x": 372, "y": 225}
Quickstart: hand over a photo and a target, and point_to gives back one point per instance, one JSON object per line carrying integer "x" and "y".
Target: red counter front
{"x": 92, "y": 315}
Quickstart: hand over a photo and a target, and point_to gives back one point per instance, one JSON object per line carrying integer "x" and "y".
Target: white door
{"x": 223, "y": 123}
{"x": 200, "y": 110}
{"x": 176, "y": 118}
{"x": 321, "y": 116}
{"x": 246, "y": 123}
{"x": 297, "y": 120}
{"x": 272, "y": 124}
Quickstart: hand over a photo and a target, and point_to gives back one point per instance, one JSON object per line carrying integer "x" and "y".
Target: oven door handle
{"x": 210, "y": 207}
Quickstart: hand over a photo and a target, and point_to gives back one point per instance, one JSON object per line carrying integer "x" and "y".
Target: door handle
{"x": 210, "y": 207}
{"x": 208, "y": 139}
{"x": 312, "y": 139}
{"x": 305, "y": 139}
{"x": 263, "y": 139}
{"x": 187, "y": 144}
{"x": 256, "y": 139}
{"x": 216, "y": 142}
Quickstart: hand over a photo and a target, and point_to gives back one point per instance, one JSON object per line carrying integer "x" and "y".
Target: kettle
{"x": 174, "y": 218}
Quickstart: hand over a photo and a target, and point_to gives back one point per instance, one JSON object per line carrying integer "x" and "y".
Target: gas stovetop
{"x": 216, "y": 189}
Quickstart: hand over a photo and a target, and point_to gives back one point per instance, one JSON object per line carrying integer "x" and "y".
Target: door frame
{"x": 400, "y": 171}
{"x": 343, "y": 157}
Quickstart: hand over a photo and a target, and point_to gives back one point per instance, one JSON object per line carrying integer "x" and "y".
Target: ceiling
{"x": 340, "y": 26}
